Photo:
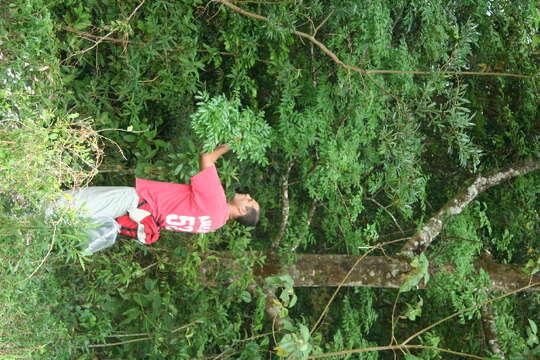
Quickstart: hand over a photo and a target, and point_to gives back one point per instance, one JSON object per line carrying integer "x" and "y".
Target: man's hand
{"x": 209, "y": 159}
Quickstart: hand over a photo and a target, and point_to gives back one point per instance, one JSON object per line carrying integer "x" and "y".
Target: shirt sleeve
{"x": 207, "y": 183}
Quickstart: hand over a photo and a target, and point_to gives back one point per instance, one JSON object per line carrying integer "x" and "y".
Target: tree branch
{"x": 92, "y": 37}
{"x": 490, "y": 331}
{"x": 345, "y": 278}
{"x": 311, "y": 213}
{"x": 364, "y": 71}
{"x": 102, "y": 38}
{"x": 423, "y": 238}
{"x": 329, "y": 270}
{"x": 286, "y": 209}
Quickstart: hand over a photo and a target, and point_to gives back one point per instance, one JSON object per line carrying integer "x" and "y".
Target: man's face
{"x": 245, "y": 200}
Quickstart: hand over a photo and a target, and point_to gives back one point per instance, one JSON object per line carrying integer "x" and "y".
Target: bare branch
{"x": 423, "y": 238}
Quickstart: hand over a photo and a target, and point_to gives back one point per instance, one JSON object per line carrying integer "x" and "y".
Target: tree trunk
{"x": 311, "y": 270}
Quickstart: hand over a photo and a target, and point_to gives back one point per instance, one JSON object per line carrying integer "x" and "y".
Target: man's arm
{"x": 209, "y": 159}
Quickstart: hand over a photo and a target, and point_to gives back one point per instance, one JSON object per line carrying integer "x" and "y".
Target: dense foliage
{"x": 100, "y": 91}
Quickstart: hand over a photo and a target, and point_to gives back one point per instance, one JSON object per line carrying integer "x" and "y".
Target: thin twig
{"x": 53, "y": 240}
{"x": 389, "y": 213}
{"x": 119, "y": 343}
{"x": 114, "y": 143}
{"x": 185, "y": 326}
{"x": 394, "y": 323}
{"x": 322, "y": 23}
{"x": 464, "y": 73}
{"x": 149, "y": 81}
{"x": 274, "y": 329}
{"x": 128, "y": 335}
{"x": 148, "y": 267}
{"x": 89, "y": 37}
{"x": 124, "y": 130}
{"x": 323, "y": 313}
{"x": 238, "y": 342}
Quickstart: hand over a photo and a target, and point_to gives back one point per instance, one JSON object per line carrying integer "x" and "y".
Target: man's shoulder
{"x": 144, "y": 184}
{"x": 207, "y": 182}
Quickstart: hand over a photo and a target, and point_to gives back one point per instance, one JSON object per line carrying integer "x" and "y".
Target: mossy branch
{"x": 423, "y": 238}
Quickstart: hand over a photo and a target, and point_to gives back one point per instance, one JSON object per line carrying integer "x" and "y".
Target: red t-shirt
{"x": 199, "y": 208}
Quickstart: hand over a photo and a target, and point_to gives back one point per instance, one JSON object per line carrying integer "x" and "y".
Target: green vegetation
{"x": 352, "y": 123}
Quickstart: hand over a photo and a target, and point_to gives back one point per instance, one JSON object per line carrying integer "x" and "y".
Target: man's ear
{"x": 242, "y": 210}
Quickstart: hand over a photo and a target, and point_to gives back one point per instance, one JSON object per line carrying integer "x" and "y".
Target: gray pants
{"x": 98, "y": 201}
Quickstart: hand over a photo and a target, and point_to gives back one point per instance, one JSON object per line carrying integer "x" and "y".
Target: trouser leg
{"x": 100, "y": 201}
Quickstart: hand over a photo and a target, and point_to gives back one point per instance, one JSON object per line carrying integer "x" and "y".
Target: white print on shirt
{"x": 187, "y": 223}
{"x": 206, "y": 224}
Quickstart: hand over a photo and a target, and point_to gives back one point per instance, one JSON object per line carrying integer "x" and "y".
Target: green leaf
{"x": 245, "y": 296}
{"x": 130, "y": 138}
{"x": 304, "y": 332}
{"x": 420, "y": 271}
{"x": 414, "y": 311}
{"x": 534, "y": 328}
{"x": 412, "y": 357}
{"x": 293, "y": 300}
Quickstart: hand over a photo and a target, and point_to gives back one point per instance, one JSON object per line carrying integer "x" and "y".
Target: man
{"x": 154, "y": 205}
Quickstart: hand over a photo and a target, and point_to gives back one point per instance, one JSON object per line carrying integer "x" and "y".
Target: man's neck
{"x": 233, "y": 211}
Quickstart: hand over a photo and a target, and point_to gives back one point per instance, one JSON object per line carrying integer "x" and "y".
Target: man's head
{"x": 244, "y": 209}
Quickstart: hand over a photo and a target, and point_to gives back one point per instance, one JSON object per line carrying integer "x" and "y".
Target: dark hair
{"x": 251, "y": 218}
